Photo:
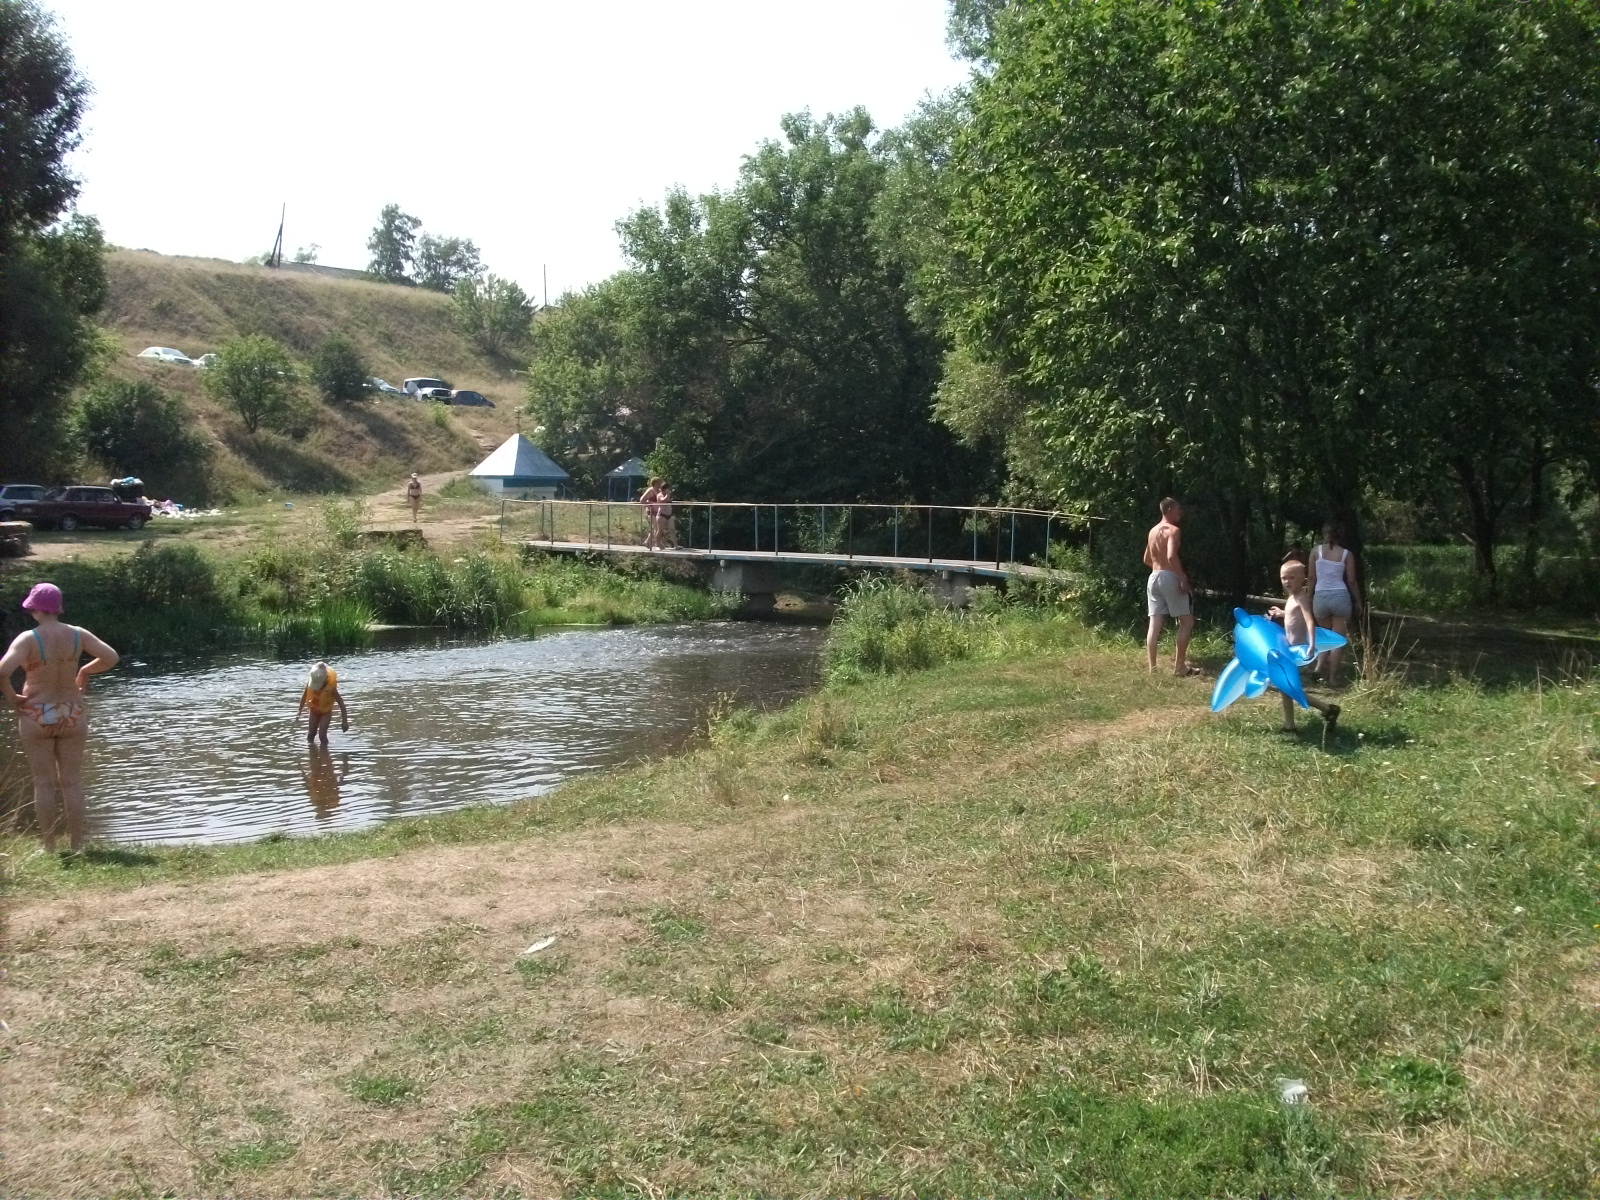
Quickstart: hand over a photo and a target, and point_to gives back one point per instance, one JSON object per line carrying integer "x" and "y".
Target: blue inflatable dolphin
{"x": 1262, "y": 656}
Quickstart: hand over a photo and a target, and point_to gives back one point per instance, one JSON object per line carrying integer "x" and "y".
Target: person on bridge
{"x": 1168, "y": 589}
{"x": 51, "y": 720}
{"x": 414, "y": 496}
{"x": 657, "y": 501}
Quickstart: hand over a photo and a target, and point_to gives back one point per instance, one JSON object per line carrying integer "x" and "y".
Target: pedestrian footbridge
{"x": 745, "y": 542}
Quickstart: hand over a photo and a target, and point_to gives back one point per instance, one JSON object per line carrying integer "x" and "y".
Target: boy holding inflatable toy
{"x": 1264, "y": 655}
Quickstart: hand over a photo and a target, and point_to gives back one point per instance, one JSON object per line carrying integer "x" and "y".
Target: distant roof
{"x": 634, "y": 468}
{"x": 319, "y": 269}
{"x": 518, "y": 458}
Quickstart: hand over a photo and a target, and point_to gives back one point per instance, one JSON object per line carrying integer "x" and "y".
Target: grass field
{"x": 1029, "y": 922}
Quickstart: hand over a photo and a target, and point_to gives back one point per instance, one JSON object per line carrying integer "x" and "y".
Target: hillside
{"x": 196, "y": 304}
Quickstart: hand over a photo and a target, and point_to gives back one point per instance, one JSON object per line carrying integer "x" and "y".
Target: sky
{"x": 529, "y": 126}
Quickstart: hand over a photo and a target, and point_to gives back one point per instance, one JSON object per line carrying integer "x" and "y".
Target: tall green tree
{"x": 1207, "y": 255}
{"x": 761, "y": 344}
{"x": 52, "y": 280}
{"x": 443, "y": 262}
{"x": 494, "y": 312}
{"x": 393, "y": 244}
{"x": 255, "y": 377}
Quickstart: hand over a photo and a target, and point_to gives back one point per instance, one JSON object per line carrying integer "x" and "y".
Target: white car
{"x": 435, "y": 395}
{"x": 414, "y": 387}
{"x": 206, "y": 361}
{"x": 379, "y": 385}
{"x": 167, "y": 354}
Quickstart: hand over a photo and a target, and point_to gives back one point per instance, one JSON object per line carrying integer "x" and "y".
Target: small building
{"x": 519, "y": 470}
{"x": 627, "y": 481}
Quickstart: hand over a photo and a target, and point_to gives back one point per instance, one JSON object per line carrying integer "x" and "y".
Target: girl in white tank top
{"x": 1333, "y": 600}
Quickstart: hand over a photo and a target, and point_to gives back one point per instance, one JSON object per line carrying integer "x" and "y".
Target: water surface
{"x": 205, "y": 752}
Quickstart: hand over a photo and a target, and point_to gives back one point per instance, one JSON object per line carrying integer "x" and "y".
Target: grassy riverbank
{"x": 1026, "y": 922}
{"x": 321, "y": 590}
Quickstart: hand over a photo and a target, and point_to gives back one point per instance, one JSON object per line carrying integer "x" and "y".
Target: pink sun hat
{"x": 45, "y": 597}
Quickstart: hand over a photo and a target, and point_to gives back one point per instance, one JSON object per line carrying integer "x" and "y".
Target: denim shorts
{"x": 1325, "y": 605}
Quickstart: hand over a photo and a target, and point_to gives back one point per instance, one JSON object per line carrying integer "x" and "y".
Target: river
{"x": 204, "y": 752}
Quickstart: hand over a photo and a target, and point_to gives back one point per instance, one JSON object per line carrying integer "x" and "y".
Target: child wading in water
{"x": 1301, "y": 630}
{"x": 321, "y": 694}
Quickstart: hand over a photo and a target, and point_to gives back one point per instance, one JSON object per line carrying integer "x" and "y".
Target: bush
{"x": 137, "y": 428}
{"x": 166, "y": 577}
{"x": 338, "y": 371}
{"x": 255, "y": 377}
{"x": 884, "y": 627}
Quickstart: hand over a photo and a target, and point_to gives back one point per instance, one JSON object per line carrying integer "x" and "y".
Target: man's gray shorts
{"x": 1167, "y": 598}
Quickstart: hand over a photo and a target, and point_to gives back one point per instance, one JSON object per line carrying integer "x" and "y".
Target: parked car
{"x": 388, "y": 389}
{"x": 13, "y": 494}
{"x": 473, "y": 399}
{"x": 206, "y": 361}
{"x": 414, "y": 386}
{"x": 436, "y": 395}
{"x": 69, "y": 507}
{"x": 166, "y": 354}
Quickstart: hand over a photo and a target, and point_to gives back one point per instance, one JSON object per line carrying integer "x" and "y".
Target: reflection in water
{"x": 206, "y": 754}
{"x": 323, "y": 779}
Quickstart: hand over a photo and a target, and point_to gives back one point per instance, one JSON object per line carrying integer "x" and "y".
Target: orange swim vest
{"x": 323, "y": 701}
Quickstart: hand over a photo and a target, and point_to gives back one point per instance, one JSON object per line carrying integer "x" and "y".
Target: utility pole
{"x": 546, "y": 269}
{"x": 275, "y": 259}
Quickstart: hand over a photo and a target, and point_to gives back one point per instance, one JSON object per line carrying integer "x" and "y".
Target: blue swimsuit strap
{"x": 43, "y": 658}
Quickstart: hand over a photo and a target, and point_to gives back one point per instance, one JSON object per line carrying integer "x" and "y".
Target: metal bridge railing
{"x": 979, "y": 534}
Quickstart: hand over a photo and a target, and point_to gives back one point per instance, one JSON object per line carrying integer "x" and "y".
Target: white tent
{"x": 518, "y": 468}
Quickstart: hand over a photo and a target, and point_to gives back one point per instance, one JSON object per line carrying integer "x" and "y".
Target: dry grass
{"x": 196, "y": 304}
{"x": 1007, "y": 927}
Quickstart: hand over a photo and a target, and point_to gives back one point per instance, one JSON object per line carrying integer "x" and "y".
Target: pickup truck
{"x": 69, "y": 507}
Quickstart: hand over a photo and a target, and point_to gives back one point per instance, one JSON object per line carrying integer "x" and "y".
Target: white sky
{"x": 530, "y": 126}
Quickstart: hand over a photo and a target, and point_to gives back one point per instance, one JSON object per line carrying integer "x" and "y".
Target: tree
{"x": 42, "y": 98}
{"x": 255, "y": 377}
{"x": 393, "y": 244}
{"x": 137, "y": 428}
{"x": 338, "y": 370}
{"x": 493, "y": 312}
{"x": 1210, "y": 257}
{"x": 307, "y": 254}
{"x": 52, "y": 280}
{"x": 762, "y": 340}
{"x": 442, "y": 263}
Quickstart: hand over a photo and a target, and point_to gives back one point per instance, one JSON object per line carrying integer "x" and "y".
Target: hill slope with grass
{"x": 196, "y": 304}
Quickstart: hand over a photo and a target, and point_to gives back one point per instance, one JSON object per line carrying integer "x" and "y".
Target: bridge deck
{"x": 885, "y": 562}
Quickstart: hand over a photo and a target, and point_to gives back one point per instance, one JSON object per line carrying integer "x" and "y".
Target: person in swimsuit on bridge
{"x": 51, "y": 718}
{"x": 1168, "y": 589}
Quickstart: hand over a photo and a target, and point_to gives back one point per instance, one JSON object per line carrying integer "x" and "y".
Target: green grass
{"x": 1027, "y": 922}
{"x": 323, "y": 593}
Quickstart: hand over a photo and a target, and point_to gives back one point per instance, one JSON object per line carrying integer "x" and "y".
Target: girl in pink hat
{"x": 50, "y": 714}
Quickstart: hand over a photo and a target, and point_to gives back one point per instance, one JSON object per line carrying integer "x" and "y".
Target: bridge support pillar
{"x": 953, "y": 589}
{"x": 756, "y": 582}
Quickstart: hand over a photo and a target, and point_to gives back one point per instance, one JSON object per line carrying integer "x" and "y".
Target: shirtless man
{"x": 1168, "y": 590}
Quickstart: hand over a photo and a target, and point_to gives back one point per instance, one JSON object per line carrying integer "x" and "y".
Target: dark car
{"x": 13, "y": 494}
{"x": 471, "y": 399}
{"x": 69, "y": 507}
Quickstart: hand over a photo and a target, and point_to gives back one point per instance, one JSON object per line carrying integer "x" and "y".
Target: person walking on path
{"x": 1335, "y": 596}
{"x": 52, "y": 720}
{"x": 1168, "y": 589}
{"x": 414, "y": 497}
{"x": 320, "y": 696}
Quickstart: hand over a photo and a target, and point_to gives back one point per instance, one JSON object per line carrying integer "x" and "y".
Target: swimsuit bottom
{"x": 56, "y": 720}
